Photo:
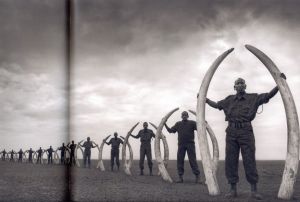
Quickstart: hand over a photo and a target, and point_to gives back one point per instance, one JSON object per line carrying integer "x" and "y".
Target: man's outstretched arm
{"x": 212, "y": 103}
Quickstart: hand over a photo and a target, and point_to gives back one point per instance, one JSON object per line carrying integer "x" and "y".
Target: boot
{"x": 150, "y": 171}
{"x": 142, "y": 172}
{"x": 232, "y": 193}
{"x": 180, "y": 180}
{"x": 254, "y": 193}
{"x": 112, "y": 168}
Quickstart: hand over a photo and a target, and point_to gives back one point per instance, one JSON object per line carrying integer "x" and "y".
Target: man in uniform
{"x": 88, "y": 145}
{"x": 50, "y": 155}
{"x": 62, "y": 149}
{"x": 30, "y": 153}
{"x": 186, "y": 143}
{"x": 114, "y": 154}
{"x": 145, "y": 149}
{"x": 3, "y": 155}
{"x": 39, "y": 157}
{"x": 240, "y": 109}
{"x": 20, "y": 156}
{"x": 12, "y": 152}
{"x": 72, "y": 148}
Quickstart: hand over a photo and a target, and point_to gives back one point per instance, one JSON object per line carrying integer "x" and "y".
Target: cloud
{"x": 137, "y": 60}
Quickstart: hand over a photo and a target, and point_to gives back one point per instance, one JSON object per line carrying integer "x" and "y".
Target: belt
{"x": 239, "y": 124}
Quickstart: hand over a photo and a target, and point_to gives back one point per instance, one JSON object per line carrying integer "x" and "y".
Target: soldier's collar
{"x": 239, "y": 96}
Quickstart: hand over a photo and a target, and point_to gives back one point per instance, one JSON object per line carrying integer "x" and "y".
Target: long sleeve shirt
{"x": 145, "y": 136}
{"x": 185, "y": 130}
{"x": 115, "y": 143}
{"x": 242, "y": 107}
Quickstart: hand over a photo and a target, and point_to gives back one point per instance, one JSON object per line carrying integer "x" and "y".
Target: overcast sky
{"x": 134, "y": 61}
{"x": 32, "y": 74}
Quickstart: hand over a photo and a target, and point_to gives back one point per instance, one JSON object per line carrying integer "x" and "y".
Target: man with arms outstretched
{"x": 186, "y": 143}
{"x": 114, "y": 154}
{"x": 145, "y": 150}
{"x": 240, "y": 109}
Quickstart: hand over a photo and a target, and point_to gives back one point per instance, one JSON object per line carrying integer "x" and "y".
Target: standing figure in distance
{"x": 72, "y": 148}
{"x": 12, "y": 152}
{"x": 30, "y": 155}
{"x": 145, "y": 150}
{"x": 114, "y": 154}
{"x": 88, "y": 145}
{"x": 240, "y": 109}
{"x": 20, "y": 156}
{"x": 186, "y": 143}
{"x": 50, "y": 155}
{"x": 62, "y": 153}
{"x": 39, "y": 156}
{"x": 3, "y": 154}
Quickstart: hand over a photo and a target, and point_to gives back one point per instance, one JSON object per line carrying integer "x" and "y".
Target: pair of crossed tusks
{"x": 78, "y": 147}
{"x": 128, "y": 163}
{"x": 100, "y": 160}
{"x": 161, "y": 166}
{"x": 286, "y": 189}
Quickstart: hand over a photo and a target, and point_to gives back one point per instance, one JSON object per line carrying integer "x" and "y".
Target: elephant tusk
{"x": 127, "y": 165}
{"x": 210, "y": 175}
{"x": 289, "y": 176}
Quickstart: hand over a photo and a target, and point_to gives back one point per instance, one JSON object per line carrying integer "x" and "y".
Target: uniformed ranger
{"x": 20, "y": 156}
{"x": 72, "y": 148}
{"x": 39, "y": 155}
{"x": 62, "y": 149}
{"x": 145, "y": 136}
{"x": 88, "y": 145}
{"x": 12, "y": 152}
{"x": 3, "y": 154}
{"x": 50, "y": 155}
{"x": 240, "y": 109}
{"x": 186, "y": 143}
{"x": 114, "y": 154}
{"x": 30, "y": 155}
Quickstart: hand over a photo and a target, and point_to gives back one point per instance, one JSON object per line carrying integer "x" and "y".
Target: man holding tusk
{"x": 50, "y": 155}
{"x": 88, "y": 145}
{"x": 240, "y": 109}
{"x": 186, "y": 143}
{"x": 62, "y": 149}
{"x": 30, "y": 154}
{"x": 145, "y": 150}
{"x": 72, "y": 148}
{"x": 39, "y": 156}
{"x": 3, "y": 154}
{"x": 114, "y": 154}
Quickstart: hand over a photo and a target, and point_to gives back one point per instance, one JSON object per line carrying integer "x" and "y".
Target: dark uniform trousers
{"x": 87, "y": 158}
{"x": 240, "y": 139}
{"x": 145, "y": 150}
{"x": 190, "y": 149}
{"x": 114, "y": 154}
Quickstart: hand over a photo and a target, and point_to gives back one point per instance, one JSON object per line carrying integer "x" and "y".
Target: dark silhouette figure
{"x": 145, "y": 136}
{"x": 30, "y": 155}
{"x": 20, "y": 156}
{"x": 72, "y": 148}
{"x": 3, "y": 154}
{"x": 114, "y": 154}
{"x": 39, "y": 155}
{"x": 240, "y": 109}
{"x": 88, "y": 145}
{"x": 50, "y": 155}
{"x": 186, "y": 143}
{"x": 62, "y": 149}
{"x": 12, "y": 155}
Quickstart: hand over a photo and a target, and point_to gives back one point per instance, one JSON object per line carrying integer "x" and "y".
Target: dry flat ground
{"x": 26, "y": 182}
